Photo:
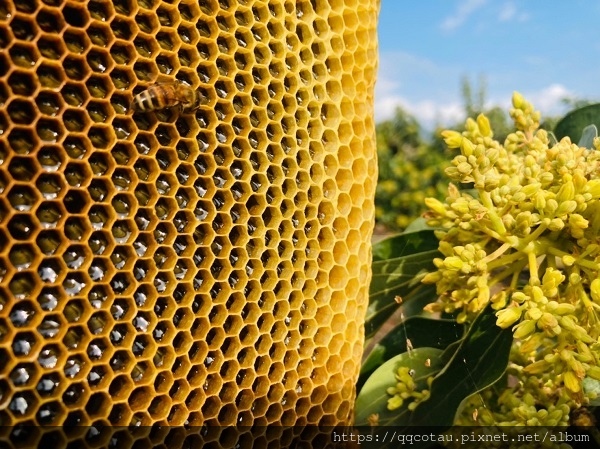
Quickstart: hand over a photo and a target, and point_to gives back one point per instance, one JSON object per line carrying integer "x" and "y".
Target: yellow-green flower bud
{"x": 546, "y": 178}
{"x": 531, "y": 189}
{"x": 519, "y": 297}
{"x": 566, "y": 192}
{"x": 452, "y": 173}
{"x": 453, "y": 263}
{"x": 540, "y": 201}
{"x": 493, "y": 154}
{"x": 524, "y": 329}
{"x": 579, "y": 180}
{"x": 564, "y": 309}
{"x": 519, "y": 197}
{"x": 534, "y": 313}
{"x": 471, "y": 126}
{"x": 574, "y": 278}
{"x": 538, "y": 367}
{"x": 594, "y": 372}
{"x": 595, "y": 290}
{"x": 464, "y": 168}
{"x": 461, "y": 206}
{"x": 566, "y": 207}
{"x": 572, "y": 382}
{"x": 508, "y": 317}
{"x": 518, "y": 101}
{"x": 394, "y": 403}
{"x": 566, "y": 322}
{"x": 593, "y": 187}
{"x": 453, "y": 139}
{"x": 547, "y": 321}
{"x": 556, "y": 224}
{"x": 531, "y": 344}
{"x": 551, "y": 205}
{"x": 431, "y": 278}
{"x": 484, "y": 126}
{"x": 568, "y": 260}
{"x": 577, "y": 368}
{"x": 467, "y": 147}
{"x": 579, "y": 333}
{"x": 436, "y": 205}
{"x": 537, "y": 294}
{"x": 509, "y": 222}
{"x": 577, "y": 221}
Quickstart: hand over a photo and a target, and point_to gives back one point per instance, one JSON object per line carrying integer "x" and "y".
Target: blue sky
{"x": 547, "y": 50}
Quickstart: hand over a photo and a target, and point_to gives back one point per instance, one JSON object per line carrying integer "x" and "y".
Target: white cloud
{"x": 428, "y": 112}
{"x": 463, "y": 11}
{"x": 549, "y": 99}
{"x": 509, "y": 12}
{"x": 423, "y": 88}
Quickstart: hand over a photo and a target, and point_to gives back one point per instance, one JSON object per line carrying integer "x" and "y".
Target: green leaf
{"x": 420, "y": 224}
{"x": 479, "y": 361}
{"x": 399, "y": 263}
{"x": 405, "y": 244}
{"x": 373, "y": 396}
{"x": 574, "y": 122}
{"x": 422, "y": 332}
{"x": 588, "y": 135}
{"x": 592, "y": 386}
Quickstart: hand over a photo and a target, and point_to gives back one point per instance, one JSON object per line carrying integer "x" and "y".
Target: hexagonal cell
{"x": 77, "y": 229}
{"x": 49, "y": 271}
{"x": 24, "y": 344}
{"x": 76, "y": 148}
{"x": 147, "y": 23}
{"x": 50, "y": 413}
{"x": 76, "y": 68}
{"x": 99, "y": 61}
{"x": 74, "y": 95}
{"x": 48, "y": 103}
{"x": 76, "y": 201}
{"x": 75, "y": 121}
{"x": 51, "y": 326}
{"x": 23, "y": 55}
{"x": 100, "y": 11}
{"x": 24, "y": 30}
{"x": 121, "y": 29}
{"x": 22, "y": 83}
{"x": 50, "y": 75}
{"x": 22, "y": 404}
{"x": 50, "y": 21}
{"x": 49, "y": 185}
{"x": 76, "y": 41}
{"x": 145, "y": 71}
{"x": 49, "y": 214}
{"x": 21, "y": 227}
{"x": 48, "y": 242}
{"x": 145, "y": 47}
{"x": 122, "y": 80}
{"x": 98, "y": 87}
{"x": 75, "y": 15}
{"x": 51, "y": 47}
{"x": 22, "y": 198}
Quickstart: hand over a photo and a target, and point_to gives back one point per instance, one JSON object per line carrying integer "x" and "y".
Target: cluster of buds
{"x": 406, "y": 391}
{"x": 525, "y": 238}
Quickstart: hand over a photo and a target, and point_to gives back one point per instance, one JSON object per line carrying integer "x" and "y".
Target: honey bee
{"x": 167, "y": 95}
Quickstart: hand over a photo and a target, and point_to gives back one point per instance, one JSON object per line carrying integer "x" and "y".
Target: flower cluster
{"x": 406, "y": 390}
{"x": 525, "y": 237}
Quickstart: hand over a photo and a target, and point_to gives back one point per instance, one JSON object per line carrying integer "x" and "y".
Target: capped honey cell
{"x": 203, "y": 263}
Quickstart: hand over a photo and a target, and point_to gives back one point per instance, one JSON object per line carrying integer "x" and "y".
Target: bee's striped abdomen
{"x": 158, "y": 96}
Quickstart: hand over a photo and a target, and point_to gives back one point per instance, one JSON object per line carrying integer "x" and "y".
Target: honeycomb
{"x": 166, "y": 268}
